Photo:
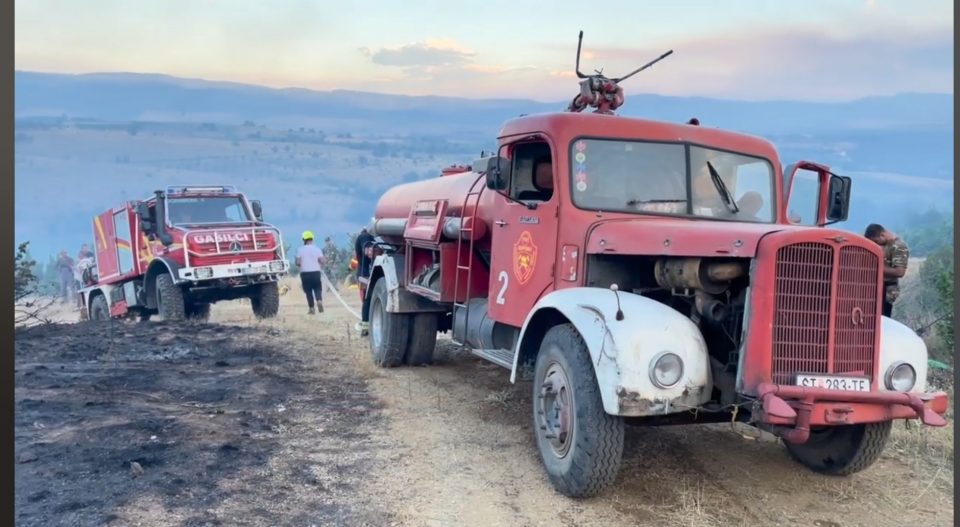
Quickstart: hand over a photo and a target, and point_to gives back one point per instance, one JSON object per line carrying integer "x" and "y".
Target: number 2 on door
{"x": 505, "y": 279}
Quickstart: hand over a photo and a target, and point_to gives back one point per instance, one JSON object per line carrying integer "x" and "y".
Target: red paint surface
{"x": 814, "y": 305}
{"x": 800, "y": 319}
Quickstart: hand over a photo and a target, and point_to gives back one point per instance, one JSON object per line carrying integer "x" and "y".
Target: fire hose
{"x": 333, "y": 290}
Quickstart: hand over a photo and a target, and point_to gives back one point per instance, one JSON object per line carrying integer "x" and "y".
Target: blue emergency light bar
{"x": 209, "y": 189}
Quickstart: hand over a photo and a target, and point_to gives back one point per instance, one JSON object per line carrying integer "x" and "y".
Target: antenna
{"x": 579, "y": 43}
{"x": 601, "y": 92}
{"x": 645, "y": 66}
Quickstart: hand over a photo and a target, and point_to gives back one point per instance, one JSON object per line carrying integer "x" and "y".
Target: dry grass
{"x": 692, "y": 508}
{"x": 500, "y": 398}
{"x": 924, "y": 447}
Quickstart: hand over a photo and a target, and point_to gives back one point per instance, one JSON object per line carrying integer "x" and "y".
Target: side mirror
{"x": 838, "y": 198}
{"x": 497, "y": 170}
{"x": 257, "y": 209}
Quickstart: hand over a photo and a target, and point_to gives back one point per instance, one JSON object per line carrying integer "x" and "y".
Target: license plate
{"x": 834, "y": 382}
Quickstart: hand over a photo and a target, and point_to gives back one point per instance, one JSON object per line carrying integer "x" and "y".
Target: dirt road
{"x": 289, "y": 423}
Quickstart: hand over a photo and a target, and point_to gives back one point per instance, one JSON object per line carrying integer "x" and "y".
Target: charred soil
{"x": 289, "y": 422}
{"x": 155, "y": 424}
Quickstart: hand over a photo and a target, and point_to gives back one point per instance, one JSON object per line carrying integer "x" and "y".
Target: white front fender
{"x": 622, "y": 351}
{"x": 899, "y": 343}
{"x": 388, "y": 267}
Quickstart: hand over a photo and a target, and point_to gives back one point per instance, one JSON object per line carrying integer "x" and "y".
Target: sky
{"x": 817, "y": 50}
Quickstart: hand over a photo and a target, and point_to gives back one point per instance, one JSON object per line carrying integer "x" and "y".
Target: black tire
{"x": 170, "y": 304}
{"x": 145, "y": 315}
{"x": 99, "y": 309}
{"x": 586, "y": 458}
{"x": 266, "y": 300}
{"x": 198, "y": 312}
{"x": 423, "y": 339}
{"x": 842, "y": 450}
{"x": 389, "y": 332}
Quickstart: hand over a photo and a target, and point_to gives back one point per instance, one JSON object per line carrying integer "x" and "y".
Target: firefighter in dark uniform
{"x": 895, "y": 257}
{"x": 363, "y": 254}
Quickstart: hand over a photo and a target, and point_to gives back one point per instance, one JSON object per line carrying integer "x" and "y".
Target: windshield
{"x": 670, "y": 178}
{"x": 219, "y": 209}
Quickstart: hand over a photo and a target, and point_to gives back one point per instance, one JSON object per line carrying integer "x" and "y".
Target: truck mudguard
{"x": 623, "y": 352}
{"x": 389, "y": 267}
{"x": 384, "y": 268}
{"x": 898, "y": 343}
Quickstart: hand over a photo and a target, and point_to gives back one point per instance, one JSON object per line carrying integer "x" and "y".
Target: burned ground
{"x": 288, "y": 422}
{"x": 188, "y": 425}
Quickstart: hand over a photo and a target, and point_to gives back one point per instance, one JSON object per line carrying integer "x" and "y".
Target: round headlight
{"x": 666, "y": 369}
{"x": 901, "y": 377}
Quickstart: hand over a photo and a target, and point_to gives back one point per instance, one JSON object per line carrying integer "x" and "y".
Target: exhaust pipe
{"x": 694, "y": 273}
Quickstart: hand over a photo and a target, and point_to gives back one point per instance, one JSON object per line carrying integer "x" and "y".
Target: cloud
{"x": 423, "y": 54}
{"x": 915, "y": 182}
{"x": 477, "y": 68}
{"x": 806, "y": 64}
{"x": 445, "y": 66}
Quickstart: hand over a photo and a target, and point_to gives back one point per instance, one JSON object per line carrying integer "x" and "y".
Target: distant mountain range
{"x": 127, "y": 97}
{"x": 898, "y": 149}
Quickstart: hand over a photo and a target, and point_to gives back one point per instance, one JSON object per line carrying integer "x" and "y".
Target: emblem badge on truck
{"x": 235, "y": 247}
{"x": 524, "y": 257}
{"x": 856, "y": 316}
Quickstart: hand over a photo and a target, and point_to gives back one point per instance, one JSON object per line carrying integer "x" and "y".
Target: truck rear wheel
{"x": 580, "y": 444}
{"x": 99, "y": 309}
{"x": 266, "y": 300}
{"x": 842, "y": 450}
{"x": 423, "y": 339}
{"x": 170, "y": 302}
{"x": 199, "y": 312}
{"x": 389, "y": 332}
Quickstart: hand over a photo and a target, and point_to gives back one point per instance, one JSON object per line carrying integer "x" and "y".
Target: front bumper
{"x": 236, "y": 270}
{"x": 801, "y": 408}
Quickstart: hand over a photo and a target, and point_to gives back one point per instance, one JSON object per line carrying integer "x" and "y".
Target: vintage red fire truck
{"x": 644, "y": 272}
{"x": 181, "y": 250}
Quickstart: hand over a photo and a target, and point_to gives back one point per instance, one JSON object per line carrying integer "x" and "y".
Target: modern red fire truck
{"x": 650, "y": 273}
{"x": 181, "y": 250}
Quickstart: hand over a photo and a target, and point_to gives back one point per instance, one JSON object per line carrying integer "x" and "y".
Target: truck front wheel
{"x": 580, "y": 444}
{"x": 266, "y": 300}
{"x": 842, "y": 450}
{"x": 389, "y": 332}
{"x": 99, "y": 309}
{"x": 170, "y": 302}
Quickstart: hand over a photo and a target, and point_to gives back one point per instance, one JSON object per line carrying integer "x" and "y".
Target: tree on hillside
{"x": 29, "y": 305}
{"x": 24, "y": 278}
{"x": 927, "y": 232}
{"x": 291, "y": 259}
{"x": 936, "y": 277}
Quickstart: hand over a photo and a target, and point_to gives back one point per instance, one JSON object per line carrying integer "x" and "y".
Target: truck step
{"x": 500, "y": 357}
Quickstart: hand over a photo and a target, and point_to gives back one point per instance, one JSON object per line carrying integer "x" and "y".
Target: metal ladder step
{"x": 500, "y": 357}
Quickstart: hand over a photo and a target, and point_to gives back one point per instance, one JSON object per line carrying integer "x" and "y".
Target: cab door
{"x": 105, "y": 246}
{"x": 813, "y": 195}
{"x": 524, "y": 235}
